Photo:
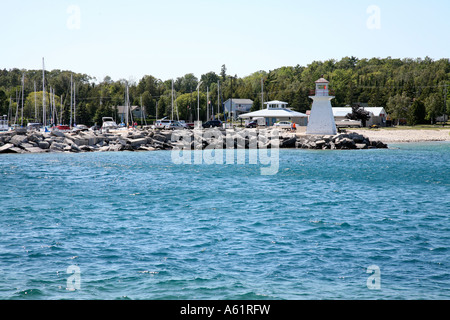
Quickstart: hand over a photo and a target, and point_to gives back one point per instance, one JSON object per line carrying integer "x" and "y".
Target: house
{"x": 237, "y": 107}
{"x": 277, "y": 111}
{"x": 378, "y": 115}
{"x": 136, "y": 113}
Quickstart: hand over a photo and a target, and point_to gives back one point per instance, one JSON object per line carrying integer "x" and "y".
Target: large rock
{"x": 57, "y": 133}
{"x": 160, "y": 137}
{"x": 35, "y": 137}
{"x": 44, "y": 145}
{"x": 35, "y": 150}
{"x": 288, "y": 143}
{"x": 56, "y": 146}
{"x": 17, "y": 140}
{"x": 7, "y": 148}
{"x": 138, "y": 142}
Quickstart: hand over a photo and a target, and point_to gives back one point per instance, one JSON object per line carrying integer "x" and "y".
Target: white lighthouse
{"x": 321, "y": 120}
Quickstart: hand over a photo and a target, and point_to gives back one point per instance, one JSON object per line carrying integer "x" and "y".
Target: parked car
{"x": 62, "y": 128}
{"x": 80, "y": 127}
{"x": 252, "y": 124}
{"x": 95, "y": 128}
{"x": 184, "y": 124}
{"x": 347, "y": 123}
{"x": 283, "y": 124}
{"x": 109, "y": 124}
{"x": 169, "y": 125}
{"x": 212, "y": 124}
{"x": 34, "y": 126}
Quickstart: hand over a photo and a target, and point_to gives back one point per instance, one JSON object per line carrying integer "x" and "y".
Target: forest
{"x": 412, "y": 89}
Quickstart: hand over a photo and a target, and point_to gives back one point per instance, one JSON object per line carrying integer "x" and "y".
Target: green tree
{"x": 398, "y": 106}
{"x": 417, "y": 113}
{"x": 434, "y": 105}
{"x": 223, "y": 73}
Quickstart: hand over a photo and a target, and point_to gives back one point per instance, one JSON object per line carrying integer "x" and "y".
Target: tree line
{"x": 412, "y": 89}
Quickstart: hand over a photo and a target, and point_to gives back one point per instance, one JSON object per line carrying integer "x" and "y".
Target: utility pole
{"x": 445, "y": 103}
{"x": 207, "y": 103}
{"x": 35, "y": 103}
{"x": 218, "y": 98}
{"x": 262, "y": 93}
{"x": 172, "y": 100}
{"x": 198, "y": 101}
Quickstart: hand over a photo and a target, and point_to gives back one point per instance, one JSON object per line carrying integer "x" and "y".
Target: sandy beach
{"x": 400, "y": 135}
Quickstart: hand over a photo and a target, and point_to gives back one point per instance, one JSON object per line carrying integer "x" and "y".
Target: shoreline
{"x": 405, "y": 135}
{"x": 138, "y": 140}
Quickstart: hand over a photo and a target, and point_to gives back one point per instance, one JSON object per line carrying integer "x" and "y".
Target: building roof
{"x": 322, "y": 80}
{"x": 343, "y": 112}
{"x": 274, "y": 113}
{"x": 241, "y": 101}
{"x": 276, "y": 102}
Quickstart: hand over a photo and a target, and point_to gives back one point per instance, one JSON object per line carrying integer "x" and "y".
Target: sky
{"x": 170, "y": 38}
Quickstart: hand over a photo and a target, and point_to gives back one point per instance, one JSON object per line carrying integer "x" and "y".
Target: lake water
{"x": 137, "y": 226}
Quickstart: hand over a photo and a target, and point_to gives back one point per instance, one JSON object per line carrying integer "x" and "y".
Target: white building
{"x": 277, "y": 111}
{"x": 321, "y": 120}
{"x": 237, "y": 106}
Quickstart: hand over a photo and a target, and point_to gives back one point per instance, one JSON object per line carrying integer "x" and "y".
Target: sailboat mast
{"x": 23, "y": 92}
{"x": 17, "y": 109}
{"x": 61, "y": 118}
{"x": 127, "y": 107}
{"x": 35, "y": 103}
{"x": 74, "y": 104}
{"x": 218, "y": 98}
{"x": 172, "y": 100}
{"x": 71, "y": 98}
{"x": 44, "y": 120}
{"x": 207, "y": 103}
{"x": 54, "y": 108}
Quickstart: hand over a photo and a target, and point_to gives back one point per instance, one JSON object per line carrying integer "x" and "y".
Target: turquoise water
{"x": 140, "y": 227}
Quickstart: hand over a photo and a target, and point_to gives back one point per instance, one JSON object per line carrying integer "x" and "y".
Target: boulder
{"x": 7, "y": 148}
{"x": 159, "y": 137}
{"x": 57, "y": 133}
{"x": 35, "y": 150}
{"x": 288, "y": 143}
{"x": 26, "y": 145}
{"x": 56, "y": 146}
{"x": 361, "y": 146}
{"x": 138, "y": 142}
{"x": 17, "y": 140}
{"x": 44, "y": 145}
{"x": 115, "y": 147}
{"x": 35, "y": 137}
{"x": 381, "y": 145}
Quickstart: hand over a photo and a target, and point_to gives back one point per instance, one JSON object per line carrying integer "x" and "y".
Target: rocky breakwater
{"x": 135, "y": 140}
{"x": 347, "y": 141}
{"x": 257, "y": 139}
{"x": 56, "y": 141}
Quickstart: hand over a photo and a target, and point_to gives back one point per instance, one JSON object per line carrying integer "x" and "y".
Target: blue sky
{"x": 167, "y": 39}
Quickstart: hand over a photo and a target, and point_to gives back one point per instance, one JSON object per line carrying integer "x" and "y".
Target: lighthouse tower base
{"x": 321, "y": 120}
